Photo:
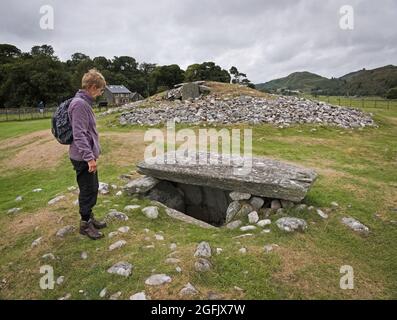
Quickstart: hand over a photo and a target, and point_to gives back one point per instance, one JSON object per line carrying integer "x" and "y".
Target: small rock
{"x": 214, "y": 296}
{"x": 121, "y": 268}
{"x": 243, "y": 250}
{"x": 232, "y": 210}
{"x": 178, "y": 269}
{"x": 14, "y": 210}
{"x": 103, "y": 188}
{"x": 114, "y": 187}
{"x": 55, "y": 200}
{"x": 66, "y": 297}
{"x": 103, "y": 292}
{"x": 72, "y": 188}
{"x": 243, "y": 235}
{"x": 238, "y": 289}
{"x": 203, "y": 250}
{"x": 219, "y": 250}
{"x": 119, "y": 193}
{"x": 19, "y": 198}
{"x": 141, "y": 185}
{"x": 202, "y": 265}
{"x": 247, "y": 228}
{"x": 159, "y": 237}
{"x": 124, "y": 229}
{"x": 64, "y": 231}
{"x": 269, "y": 247}
{"x": 115, "y": 296}
{"x": 334, "y": 204}
{"x": 173, "y": 246}
{"x": 234, "y": 224}
{"x": 84, "y": 255}
{"x": 286, "y": 204}
{"x": 113, "y": 214}
{"x": 37, "y": 190}
{"x": 265, "y": 231}
{"x": 253, "y": 217}
{"x": 322, "y": 214}
{"x": 263, "y": 223}
{"x": 76, "y": 202}
{"x": 290, "y": 224}
{"x": 151, "y": 212}
{"x": 117, "y": 245}
{"x": 138, "y": 296}
{"x": 112, "y": 234}
{"x": 48, "y": 256}
{"x": 188, "y": 290}
{"x": 275, "y": 204}
{"x": 257, "y": 202}
{"x": 158, "y": 279}
{"x": 131, "y": 207}
{"x": 172, "y": 261}
{"x": 60, "y": 280}
{"x": 355, "y": 225}
{"x": 236, "y": 196}
{"x": 36, "y": 242}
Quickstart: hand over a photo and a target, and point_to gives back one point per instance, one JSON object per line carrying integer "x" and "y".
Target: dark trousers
{"x": 88, "y": 185}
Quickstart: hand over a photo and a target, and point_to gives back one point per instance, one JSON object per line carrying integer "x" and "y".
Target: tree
{"x": 30, "y": 80}
{"x": 166, "y": 76}
{"x": 43, "y": 50}
{"x": 147, "y": 69}
{"x": 240, "y": 78}
{"x": 392, "y": 93}
{"x": 8, "y": 52}
{"x": 206, "y": 71}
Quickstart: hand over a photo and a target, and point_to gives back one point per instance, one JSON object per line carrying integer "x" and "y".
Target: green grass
{"x": 357, "y": 169}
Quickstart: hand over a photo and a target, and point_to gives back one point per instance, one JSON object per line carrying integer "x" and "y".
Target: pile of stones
{"x": 281, "y": 111}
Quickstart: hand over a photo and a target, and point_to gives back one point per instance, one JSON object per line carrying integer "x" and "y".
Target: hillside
{"x": 376, "y": 82}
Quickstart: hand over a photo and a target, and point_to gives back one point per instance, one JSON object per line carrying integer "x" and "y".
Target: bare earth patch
{"x": 36, "y": 150}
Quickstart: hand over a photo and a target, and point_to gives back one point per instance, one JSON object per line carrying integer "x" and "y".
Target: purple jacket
{"x": 85, "y": 145}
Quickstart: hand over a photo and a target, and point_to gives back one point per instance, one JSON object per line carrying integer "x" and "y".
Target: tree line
{"x": 39, "y": 75}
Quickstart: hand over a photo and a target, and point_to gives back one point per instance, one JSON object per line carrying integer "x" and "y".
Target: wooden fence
{"x": 19, "y": 114}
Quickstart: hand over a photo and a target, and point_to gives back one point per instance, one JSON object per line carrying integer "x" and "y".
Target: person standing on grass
{"x": 85, "y": 149}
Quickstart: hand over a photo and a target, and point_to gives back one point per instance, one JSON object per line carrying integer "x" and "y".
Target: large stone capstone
{"x": 261, "y": 176}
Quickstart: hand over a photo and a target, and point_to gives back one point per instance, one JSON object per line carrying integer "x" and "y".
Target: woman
{"x": 85, "y": 149}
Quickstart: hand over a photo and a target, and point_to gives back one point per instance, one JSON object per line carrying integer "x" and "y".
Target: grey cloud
{"x": 265, "y": 39}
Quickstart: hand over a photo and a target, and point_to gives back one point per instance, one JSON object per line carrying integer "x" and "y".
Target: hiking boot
{"x": 97, "y": 224}
{"x": 88, "y": 229}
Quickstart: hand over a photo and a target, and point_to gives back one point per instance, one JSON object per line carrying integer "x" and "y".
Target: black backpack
{"x": 61, "y": 127}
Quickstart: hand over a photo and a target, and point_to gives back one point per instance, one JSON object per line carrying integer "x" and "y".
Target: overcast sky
{"x": 264, "y": 39}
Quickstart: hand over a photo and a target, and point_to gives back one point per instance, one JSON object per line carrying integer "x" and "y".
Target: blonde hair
{"x": 93, "y": 78}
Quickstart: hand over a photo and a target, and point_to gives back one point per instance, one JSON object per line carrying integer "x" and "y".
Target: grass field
{"x": 357, "y": 169}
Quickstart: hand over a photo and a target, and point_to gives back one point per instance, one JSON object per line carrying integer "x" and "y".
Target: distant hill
{"x": 376, "y": 82}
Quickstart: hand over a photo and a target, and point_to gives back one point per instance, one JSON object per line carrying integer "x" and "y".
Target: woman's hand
{"x": 91, "y": 165}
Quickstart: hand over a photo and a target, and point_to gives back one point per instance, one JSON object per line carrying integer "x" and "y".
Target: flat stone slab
{"x": 257, "y": 176}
